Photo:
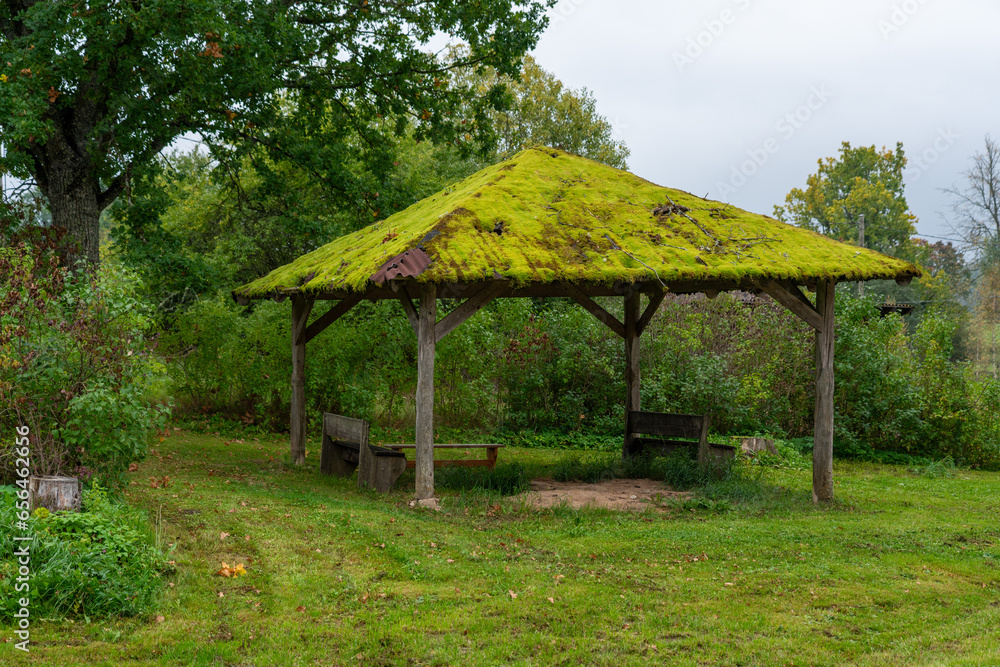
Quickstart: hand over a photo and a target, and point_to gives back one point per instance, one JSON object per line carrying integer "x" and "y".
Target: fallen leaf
{"x": 221, "y": 594}
{"x": 552, "y": 600}
{"x": 132, "y": 467}
{"x": 224, "y": 571}
{"x": 300, "y": 609}
{"x": 160, "y": 619}
{"x": 223, "y": 536}
{"x": 239, "y": 570}
{"x": 512, "y": 594}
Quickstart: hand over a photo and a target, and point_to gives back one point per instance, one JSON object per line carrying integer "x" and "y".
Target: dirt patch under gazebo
{"x": 614, "y": 494}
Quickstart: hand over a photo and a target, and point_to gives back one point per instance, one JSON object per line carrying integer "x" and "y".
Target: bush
{"x": 100, "y": 562}
{"x": 73, "y": 365}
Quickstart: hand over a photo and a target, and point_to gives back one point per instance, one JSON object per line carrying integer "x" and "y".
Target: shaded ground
{"x": 615, "y": 494}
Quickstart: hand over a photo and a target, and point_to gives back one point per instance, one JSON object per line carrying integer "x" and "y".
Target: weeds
{"x": 506, "y": 479}
{"x": 936, "y": 469}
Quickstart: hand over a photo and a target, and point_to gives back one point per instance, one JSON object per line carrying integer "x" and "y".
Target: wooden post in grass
{"x": 631, "y": 359}
{"x": 823, "y": 419}
{"x": 426, "y": 319}
{"x": 300, "y": 316}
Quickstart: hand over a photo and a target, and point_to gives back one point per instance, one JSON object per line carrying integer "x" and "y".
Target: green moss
{"x": 566, "y": 218}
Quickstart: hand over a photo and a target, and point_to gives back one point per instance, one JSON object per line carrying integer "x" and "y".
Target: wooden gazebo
{"x": 547, "y": 223}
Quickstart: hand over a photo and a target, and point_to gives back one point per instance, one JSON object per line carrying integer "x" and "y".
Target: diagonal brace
{"x": 595, "y": 309}
{"x": 328, "y": 318}
{"x": 792, "y": 298}
{"x": 654, "y": 302}
{"x": 468, "y": 308}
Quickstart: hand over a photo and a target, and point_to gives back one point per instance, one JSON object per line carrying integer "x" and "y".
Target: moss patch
{"x": 546, "y": 215}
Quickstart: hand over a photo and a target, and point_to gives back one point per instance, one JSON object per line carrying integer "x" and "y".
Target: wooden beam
{"x": 329, "y": 317}
{"x": 655, "y": 299}
{"x": 425, "y": 392}
{"x": 792, "y": 298}
{"x": 468, "y": 308}
{"x": 594, "y": 309}
{"x": 301, "y": 307}
{"x": 823, "y": 416}
{"x": 631, "y": 361}
{"x": 411, "y": 312}
{"x": 461, "y": 290}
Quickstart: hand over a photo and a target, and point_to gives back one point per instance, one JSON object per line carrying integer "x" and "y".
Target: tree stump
{"x": 54, "y": 493}
{"x": 754, "y": 445}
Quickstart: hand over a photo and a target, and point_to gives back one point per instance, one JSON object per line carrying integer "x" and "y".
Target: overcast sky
{"x": 738, "y": 99}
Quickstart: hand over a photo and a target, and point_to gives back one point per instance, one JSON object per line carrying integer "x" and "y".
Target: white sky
{"x": 695, "y": 89}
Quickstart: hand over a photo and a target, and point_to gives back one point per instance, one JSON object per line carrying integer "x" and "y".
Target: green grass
{"x": 902, "y": 569}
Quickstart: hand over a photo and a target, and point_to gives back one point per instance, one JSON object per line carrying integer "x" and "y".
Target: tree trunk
{"x": 66, "y": 176}
{"x": 73, "y": 202}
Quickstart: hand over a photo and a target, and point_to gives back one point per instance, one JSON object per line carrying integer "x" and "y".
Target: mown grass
{"x": 902, "y": 569}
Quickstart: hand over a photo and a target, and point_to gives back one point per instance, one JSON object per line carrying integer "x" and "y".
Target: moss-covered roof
{"x": 545, "y": 216}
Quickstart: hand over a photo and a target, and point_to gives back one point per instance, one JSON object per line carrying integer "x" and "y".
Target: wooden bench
{"x": 664, "y": 427}
{"x": 490, "y": 461}
{"x": 345, "y": 447}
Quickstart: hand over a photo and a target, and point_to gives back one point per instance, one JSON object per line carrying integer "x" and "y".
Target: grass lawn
{"x": 900, "y": 570}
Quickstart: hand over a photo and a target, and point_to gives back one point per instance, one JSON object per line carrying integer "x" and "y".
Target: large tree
{"x": 91, "y": 91}
{"x": 544, "y": 111}
{"x": 242, "y": 218}
{"x": 862, "y": 181}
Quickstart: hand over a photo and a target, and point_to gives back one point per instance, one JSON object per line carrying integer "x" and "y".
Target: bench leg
{"x": 332, "y": 461}
{"x": 491, "y": 456}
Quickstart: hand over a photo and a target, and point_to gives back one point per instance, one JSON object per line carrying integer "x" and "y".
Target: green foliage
{"x": 74, "y": 366}
{"x": 746, "y": 362}
{"x": 862, "y": 181}
{"x": 543, "y": 112}
{"x": 171, "y": 275}
{"x": 100, "y": 562}
{"x": 109, "y": 428}
{"x": 581, "y": 440}
{"x": 875, "y": 399}
{"x": 88, "y": 97}
{"x": 902, "y": 398}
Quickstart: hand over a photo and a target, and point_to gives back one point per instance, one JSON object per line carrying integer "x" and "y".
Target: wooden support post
{"x": 631, "y": 359}
{"x": 425, "y": 392}
{"x": 823, "y": 418}
{"x": 301, "y": 307}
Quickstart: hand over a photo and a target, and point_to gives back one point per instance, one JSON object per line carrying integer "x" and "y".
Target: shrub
{"x": 73, "y": 365}
{"x": 100, "y": 562}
